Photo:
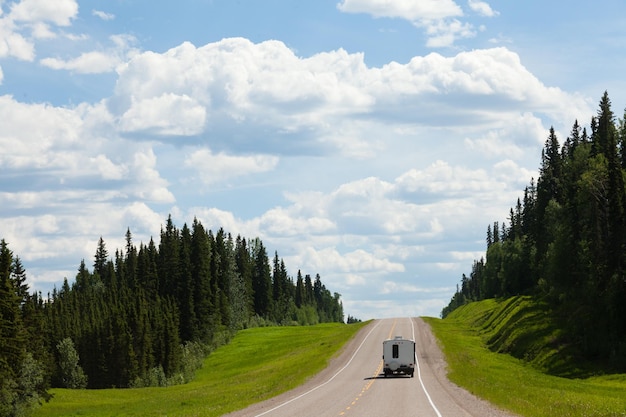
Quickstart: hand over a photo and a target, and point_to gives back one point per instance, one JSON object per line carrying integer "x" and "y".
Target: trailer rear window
{"x": 395, "y": 353}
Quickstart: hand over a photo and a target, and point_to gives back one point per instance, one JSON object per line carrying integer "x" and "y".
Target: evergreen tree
{"x": 245, "y": 267}
{"x": 261, "y": 280}
{"x": 188, "y": 319}
{"x": 201, "y": 277}
{"x": 168, "y": 260}
{"x": 100, "y": 258}
{"x": 299, "y": 298}
{"x": 12, "y": 341}
{"x": 308, "y": 290}
{"x": 567, "y": 239}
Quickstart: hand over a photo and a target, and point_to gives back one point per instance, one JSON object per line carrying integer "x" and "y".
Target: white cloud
{"x": 441, "y": 145}
{"x": 108, "y": 170}
{"x": 103, "y": 15}
{"x": 239, "y": 95}
{"x": 87, "y": 63}
{"x": 214, "y": 218}
{"x": 36, "y": 145}
{"x": 59, "y": 12}
{"x": 62, "y": 152}
{"x": 512, "y": 140}
{"x": 482, "y": 8}
{"x": 33, "y": 17}
{"x": 442, "y": 179}
{"x": 244, "y": 84}
{"x": 41, "y": 30}
{"x": 391, "y": 287}
{"x": 330, "y": 260}
{"x": 438, "y": 18}
{"x": 404, "y": 9}
{"x": 96, "y": 62}
{"x": 215, "y": 168}
{"x": 13, "y": 44}
{"x": 49, "y": 242}
{"x": 148, "y": 184}
{"x": 168, "y": 114}
{"x": 444, "y": 33}
{"x": 280, "y": 221}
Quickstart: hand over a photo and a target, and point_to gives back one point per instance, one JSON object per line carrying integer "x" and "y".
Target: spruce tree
{"x": 261, "y": 280}
{"x": 101, "y": 257}
{"x": 201, "y": 278}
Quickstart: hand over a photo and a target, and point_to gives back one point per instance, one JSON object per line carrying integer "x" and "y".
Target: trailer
{"x": 398, "y": 356}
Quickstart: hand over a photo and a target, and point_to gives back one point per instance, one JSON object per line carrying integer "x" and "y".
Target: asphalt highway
{"x": 354, "y": 384}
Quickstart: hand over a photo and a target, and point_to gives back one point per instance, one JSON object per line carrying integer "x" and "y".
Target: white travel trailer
{"x": 399, "y": 356}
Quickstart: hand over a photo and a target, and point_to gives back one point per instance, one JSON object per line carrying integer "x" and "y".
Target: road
{"x": 354, "y": 386}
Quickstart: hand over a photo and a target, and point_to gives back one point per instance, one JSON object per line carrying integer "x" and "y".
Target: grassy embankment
{"x": 258, "y": 364}
{"x": 524, "y": 383}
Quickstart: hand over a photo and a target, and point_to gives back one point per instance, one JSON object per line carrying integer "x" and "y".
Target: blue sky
{"x": 369, "y": 141}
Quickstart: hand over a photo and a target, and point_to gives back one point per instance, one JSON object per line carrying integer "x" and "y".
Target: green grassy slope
{"x": 258, "y": 364}
{"x": 472, "y": 336}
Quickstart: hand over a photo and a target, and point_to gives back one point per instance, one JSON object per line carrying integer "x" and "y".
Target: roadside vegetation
{"x": 146, "y": 316}
{"x": 258, "y": 364}
{"x": 555, "y": 343}
{"x": 508, "y": 353}
{"x": 565, "y": 245}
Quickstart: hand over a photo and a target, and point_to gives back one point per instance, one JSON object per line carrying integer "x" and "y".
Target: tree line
{"x": 565, "y": 241}
{"x": 146, "y": 315}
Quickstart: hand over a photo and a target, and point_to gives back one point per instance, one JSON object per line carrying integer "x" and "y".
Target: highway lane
{"x": 354, "y": 384}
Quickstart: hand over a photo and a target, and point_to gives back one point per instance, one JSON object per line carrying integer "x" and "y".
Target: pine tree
{"x": 12, "y": 334}
{"x": 168, "y": 260}
{"x": 244, "y": 263}
{"x": 299, "y": 298}
{"x": 261, "y": 280}
{"x": 309, "y": 299}
{"x": 100, "y": 258}
{"x": 188, "y": 319}
{"x": 201, "y": 277}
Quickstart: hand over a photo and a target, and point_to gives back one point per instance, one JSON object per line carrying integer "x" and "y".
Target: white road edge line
{"x": 419, "y": 375}
{"x": 324, "y": 383}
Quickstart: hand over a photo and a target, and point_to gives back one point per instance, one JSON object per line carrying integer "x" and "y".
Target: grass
{"x": 520, "y": 385}
{"x": 258, "y": 364}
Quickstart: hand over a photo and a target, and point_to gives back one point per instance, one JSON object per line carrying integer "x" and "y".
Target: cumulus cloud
{"x": 63, "y": 149}
{"x": 148, "y": 184}
{"x": 31, "y": 19}
{"x": 438, "y": 18}
{"x": 383, "y": 167}
{"x": 87, "y": 63}
{"x": 242, "y": 84}
{"x": 36, "y": 145}
{"x": 215, "y": 168}
{"x": 329, "y": 259}
{"x": 96, "y": 62}
{"x": 13, "y": 44}
{"x": 234, "y": 94}
{"x": 168, "y": 114}
{"x": 59, "y": 12}
{"x": 404, "y": 9}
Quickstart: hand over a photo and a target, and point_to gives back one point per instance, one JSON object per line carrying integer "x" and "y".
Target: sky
{"x": 369, "y": 141}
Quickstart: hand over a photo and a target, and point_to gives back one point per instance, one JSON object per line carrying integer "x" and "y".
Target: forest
{"x": 565, "y": 241}
{"x": 147, "y": 315}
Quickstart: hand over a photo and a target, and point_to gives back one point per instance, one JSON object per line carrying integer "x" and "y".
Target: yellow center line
{"x": 373, "y": 377}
